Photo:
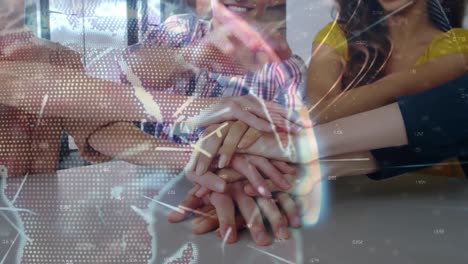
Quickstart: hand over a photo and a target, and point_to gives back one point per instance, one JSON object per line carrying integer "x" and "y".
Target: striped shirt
{"x": 280, "y": 82}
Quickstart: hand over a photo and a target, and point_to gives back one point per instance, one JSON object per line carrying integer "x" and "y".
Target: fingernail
{"x": 192, "y": 192}
{"x": 249, "y": 190}
{"x": 200, "y": 169}
{"x": 222, "y": 161}
{"x": 264, "y": 192}
{"x": 242, "y": 143}
{"x": 285, "y": 183}
{"x": 199, "y": 193}
{"x": 220, "y": 186}
{"x": 293, "y": 170}
{"x": 227, "y": 231}
{"x": 261, "y": 236}
{"x": 223, "y": 176}
{"x": 283, "y": 233}
{"x": 223, "y": 231}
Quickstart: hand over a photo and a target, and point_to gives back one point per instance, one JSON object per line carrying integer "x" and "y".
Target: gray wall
{"x": 304, "y": 19}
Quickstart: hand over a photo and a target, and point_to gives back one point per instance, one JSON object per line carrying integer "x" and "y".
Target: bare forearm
{"x": 49, "y": 90}
{"x": 123, "y": 141}
{"x": 351, "y": 102}
{"x": 388, "y": 89}
{"x": 379, "y": 128}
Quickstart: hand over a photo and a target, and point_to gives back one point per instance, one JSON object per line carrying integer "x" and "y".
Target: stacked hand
{"x": 256, "y": 185}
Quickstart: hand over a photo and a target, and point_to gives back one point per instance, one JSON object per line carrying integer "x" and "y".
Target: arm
{"x": 420, "y": 130}
{"x": 73, "y": 94}
{"x": 351, "y": 134}
{"x": 419, "y": 79}
{"x": 435, "y": 123}
{"x": 123, "y": 141}
{"x": 43, "y": 89}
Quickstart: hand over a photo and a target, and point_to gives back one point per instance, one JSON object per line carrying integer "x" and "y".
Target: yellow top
{"x": 450, "y": 42}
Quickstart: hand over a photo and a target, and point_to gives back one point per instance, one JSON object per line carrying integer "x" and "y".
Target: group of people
{"x": 251, "y": 126}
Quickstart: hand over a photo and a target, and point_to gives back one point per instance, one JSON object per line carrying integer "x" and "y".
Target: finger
{"x": 290, "y": 208}
{"x": 186, "y": 206}
{"x": 210, "y": 143}
{"x": 255, "y": 105}
{"x": 207, "y": 221}
{"x": 272, "y": 187}
{"x": 229, "y": 110}
{"x": 202, "y": 192}
{"x": 273, "y": 214}
{"x": 308, "y": 180}
{"x": 234, "y": 135}
{"x": 259, "y": 123}
{"x": 283, "y": 50}
{"x": 240, "y": 224}
{"x": 251, "y": 214}
{"x": 206, "y": 199}
{"x": 192, "y": 163}
{"x": 229, "y": 23}
{"x": 269, "y": 170}
{"x": 310, "y": 205}
{"x": 194, "y": 189}
{"x": 230, "y": 175}
{"x": 226, "y": 216}
{"x": 280, "y": 116}
{"x": 284, "y": 167}
{"x": 208, "y": 180}
{"x": 249, "y": 138}
{"x": 240, "y": 164}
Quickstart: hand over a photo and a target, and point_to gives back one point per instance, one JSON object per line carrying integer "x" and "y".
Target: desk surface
{"x": 102, "y": 214}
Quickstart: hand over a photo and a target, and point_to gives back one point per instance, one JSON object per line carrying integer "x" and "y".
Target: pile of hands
{"x": 235, "y": 190}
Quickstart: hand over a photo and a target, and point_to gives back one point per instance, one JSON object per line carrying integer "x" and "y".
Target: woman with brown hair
{"x": 377, "y": 51}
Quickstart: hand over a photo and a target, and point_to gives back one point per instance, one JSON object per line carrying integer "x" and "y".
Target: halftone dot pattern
{"x": 188, "y": 255}
{"x": 76, "y": 217}
{"x": 81, "y": 222}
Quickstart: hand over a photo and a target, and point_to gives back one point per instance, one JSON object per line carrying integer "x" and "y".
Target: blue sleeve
{"x": 436, "y": 126}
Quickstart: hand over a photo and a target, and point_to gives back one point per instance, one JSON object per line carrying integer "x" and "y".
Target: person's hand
{"x": 221, "y": 52}
{"x": 300, "y": 148}
{"x": 230, "y": 137}
{"x": 239, "y": 136}
{"x": 306, "y": 187}
{"x": 255, "y": 112}
{"x": 276, "y": 41}
{"x": 218, "y": 210}
{"x": 247, "y": 34}
{"x": 280, "y": 45}
{"x": 225, "y": 139}
{"x": 254, "y": 167}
